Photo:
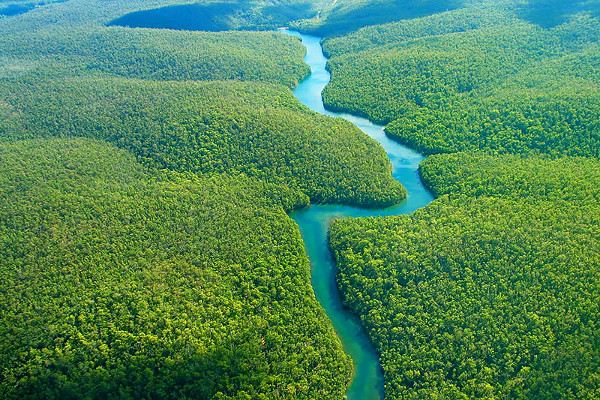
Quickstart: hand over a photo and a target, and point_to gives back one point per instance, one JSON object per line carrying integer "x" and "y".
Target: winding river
{"x": 314, "y": 222}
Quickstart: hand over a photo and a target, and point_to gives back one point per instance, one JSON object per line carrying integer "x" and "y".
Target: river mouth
{"x": 314, "y": 222}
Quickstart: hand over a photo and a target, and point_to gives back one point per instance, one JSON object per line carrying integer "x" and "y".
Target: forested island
{"x": 151, "y": 153}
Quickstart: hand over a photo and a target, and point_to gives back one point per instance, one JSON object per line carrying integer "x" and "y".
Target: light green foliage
{"x": 168, "y": 268}
{"x": 162, "y": 55}
{"x": 116, "y": 283}
{"x": 491, "y": 291}
{"x": 456, "y": 21}
{"x": 572, "y": 179}
{"x": 553, "y": 121}
{"x": 475, "y": 78}
{"x": 232, "y": 127}
{"x": 179, "y": 275}
{"x": 72, "y": 39}
{"x": 220, "y": 16}
{"x": 229, "y": 14}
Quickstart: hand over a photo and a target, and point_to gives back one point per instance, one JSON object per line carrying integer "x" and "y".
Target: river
{"x": 314, "y": 222}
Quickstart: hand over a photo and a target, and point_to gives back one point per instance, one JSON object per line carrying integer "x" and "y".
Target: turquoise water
{"x": 314, "y": 222}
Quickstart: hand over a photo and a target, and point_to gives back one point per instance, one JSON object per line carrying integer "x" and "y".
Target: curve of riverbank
{"x": 314, "y": 222}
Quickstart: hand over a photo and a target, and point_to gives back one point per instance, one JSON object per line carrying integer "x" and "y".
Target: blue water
{"x": 314, "y": 222}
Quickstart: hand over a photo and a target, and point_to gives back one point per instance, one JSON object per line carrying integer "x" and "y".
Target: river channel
{"x": 314, "y": 222}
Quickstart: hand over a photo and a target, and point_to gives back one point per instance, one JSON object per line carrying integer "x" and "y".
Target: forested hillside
{"x": 73, "y": 38}
{"x": 121, "y": 284}
{"x": 157, "y": 55}
{"x": 475, "y": 78}
{"x": 151, "y": 151}
{"x": 492, "y": 291}
{"x": 145, "y": 181}
{"x": 572, "y": 179}
{"x": 221, "y": 16}
{"x": 209, "y": 127}
{"x": 343, "y": 16}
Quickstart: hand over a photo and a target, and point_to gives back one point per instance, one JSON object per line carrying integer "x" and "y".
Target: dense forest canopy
{"x": 10, "y": 8}
{"x": 219, "y": 16}
{"x": 549, "y": 13}
{"x": 479, "y": 298}
{"x": 344, "y": 16}
{"x": 145, "y": 177}
{"x": 572, "y": 179}
{"x": 145, "y": 181}
{"x": 475, "y": 78}
{"x": 118, "y": 283}
{"x": 156, "y": 55}
{"x": 492, "y": 290}
{"x": 257, "y": 129}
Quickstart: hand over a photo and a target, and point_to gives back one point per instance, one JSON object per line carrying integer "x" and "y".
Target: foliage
{"x": 572, "y": 179}
{"x": 493, "y": 290}
{"x": 219, "y": 16}
{"x": 481, "y": 298}
{"x": 563, "y": 122}
{"x": 161, "y": 55}
{"x": 72, "y": 39}
{"x": 210, "y": 127}
{"x": 449, "y": 82}
{"x": 456, "y": 21}
{"x": 127, "y": 280}
{"x": 549, "y": 13}
{"x": 15, "y": 9}
{"x": 10, "y": 8}
{"x": 116, "y": 283}
{"x": 344, "y": 16}
{"x": 182, "y": 277}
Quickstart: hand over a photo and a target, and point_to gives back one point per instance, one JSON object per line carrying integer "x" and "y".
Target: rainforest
{"x": 300, "y": 199}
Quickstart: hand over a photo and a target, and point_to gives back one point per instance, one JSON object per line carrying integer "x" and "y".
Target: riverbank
{"x": 314, "y": 222}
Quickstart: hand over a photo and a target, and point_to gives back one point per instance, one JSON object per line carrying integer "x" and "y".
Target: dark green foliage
{"x": 118, "y": 284}
{"x": 209, "y": 14}
{"x": 162, "y": 55}
{"x": 462, "y": 20}
{"x": 549, "y": 123}
{"x": 71, "y": 40}
{"x": 127, "y": 280}
{"x": 549, "y": 13}
{"x": 133, "y": 281}
{"x": 573, "y": 179}
{"x": 16, "y": 9}
{"x": 217, "y": 16}
{"x": 11, "y": 8}
{"x": 479, "y": 298}
{"x": 491, "y": 291}
{"x": 192, "y": 17}
{"x": 210, "y": 127}
{"x": 476, "y": 78}
{"x": 348, "y": 15}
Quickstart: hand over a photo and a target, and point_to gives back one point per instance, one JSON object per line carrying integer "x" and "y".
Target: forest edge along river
{"x": 314, "y": 222}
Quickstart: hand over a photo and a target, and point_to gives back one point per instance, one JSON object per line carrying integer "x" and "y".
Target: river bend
{"x": 314, "y": 222}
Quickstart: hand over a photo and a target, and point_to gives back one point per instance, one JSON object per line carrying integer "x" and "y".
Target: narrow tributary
{"x": 314, "y": 222}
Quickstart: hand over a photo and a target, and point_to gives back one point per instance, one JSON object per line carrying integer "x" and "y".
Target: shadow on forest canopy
{"x": 217, "y": 16}
{"x": 551, "y": 13}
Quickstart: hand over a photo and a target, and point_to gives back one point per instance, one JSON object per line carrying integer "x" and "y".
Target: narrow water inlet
{"x": 314, "y": 222}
